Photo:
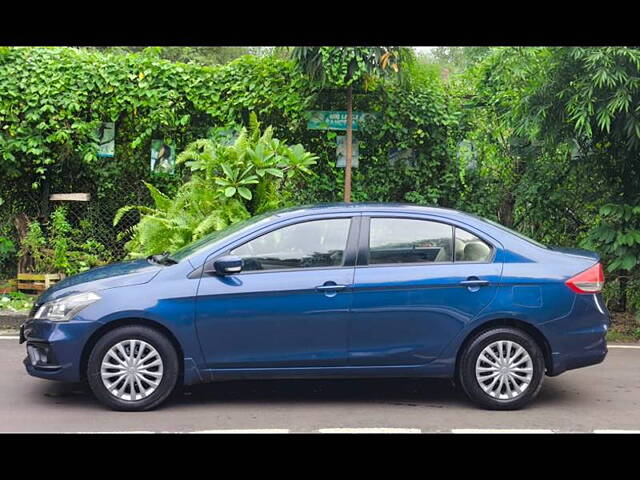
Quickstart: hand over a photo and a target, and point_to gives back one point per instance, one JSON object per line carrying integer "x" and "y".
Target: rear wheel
{"x": 132, "y": 368}
{"x": 502, "y": 369}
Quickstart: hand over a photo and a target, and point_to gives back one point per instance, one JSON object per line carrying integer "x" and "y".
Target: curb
{"x": 12, "y": 320}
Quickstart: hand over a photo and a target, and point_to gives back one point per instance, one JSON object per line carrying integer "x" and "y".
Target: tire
{"x": 523, "y": 384}
{"x": 156, "y": 377}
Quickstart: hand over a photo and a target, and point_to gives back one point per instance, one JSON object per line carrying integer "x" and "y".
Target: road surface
{"x": 604, "y": 397}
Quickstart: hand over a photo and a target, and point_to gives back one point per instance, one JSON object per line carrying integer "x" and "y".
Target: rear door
{"x": 418, "y": 281}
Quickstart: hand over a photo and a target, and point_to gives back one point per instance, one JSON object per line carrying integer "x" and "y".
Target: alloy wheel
{"x": 504, "y": 370}
{"x": 131, "y": 370}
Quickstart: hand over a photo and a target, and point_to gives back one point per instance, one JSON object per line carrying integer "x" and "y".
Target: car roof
{"x": 341, "y": 207}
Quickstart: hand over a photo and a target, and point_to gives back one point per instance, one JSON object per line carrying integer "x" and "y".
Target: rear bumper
{"x": 578, "y": 340}
{"x": 584, "y": 357}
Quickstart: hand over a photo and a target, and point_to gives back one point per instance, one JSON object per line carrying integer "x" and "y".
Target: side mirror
{"x": 227, "y": 265}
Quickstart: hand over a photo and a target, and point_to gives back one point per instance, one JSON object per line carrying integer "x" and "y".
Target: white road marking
{"x": 9, "y": 337}
{"x": 616, "y": 431}
{"x": 123, "y": 431}
{"x": 624, "y": 346}
{"x": 370, "y": 430}
{"x": 500, "y": 430}
{"x": 259, "y": 430}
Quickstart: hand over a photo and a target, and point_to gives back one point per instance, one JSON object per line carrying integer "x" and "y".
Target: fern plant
{"x": 229, "y": 183}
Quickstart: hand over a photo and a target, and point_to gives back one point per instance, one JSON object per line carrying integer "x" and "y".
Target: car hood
{"x": 123, "y": 274}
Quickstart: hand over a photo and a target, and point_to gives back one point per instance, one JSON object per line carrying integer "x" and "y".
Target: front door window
{"x": 319, "y": 243}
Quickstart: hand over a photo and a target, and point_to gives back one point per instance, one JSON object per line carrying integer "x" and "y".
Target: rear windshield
{"x": 517, "y": 234}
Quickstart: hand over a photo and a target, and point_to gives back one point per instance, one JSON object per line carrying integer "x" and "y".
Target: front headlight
{"x": 65, "y": 308}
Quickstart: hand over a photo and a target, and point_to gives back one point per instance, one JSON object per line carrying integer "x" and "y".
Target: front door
{"x": 289, "y": 307}
{"x": 417, "y": 287}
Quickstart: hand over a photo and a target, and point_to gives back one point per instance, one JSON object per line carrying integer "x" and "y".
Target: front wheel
{"x": 132, "y": 368}
{"x": 502, "y": 369}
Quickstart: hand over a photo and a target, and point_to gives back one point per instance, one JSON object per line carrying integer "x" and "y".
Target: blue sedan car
{"x": 327, "y": 291}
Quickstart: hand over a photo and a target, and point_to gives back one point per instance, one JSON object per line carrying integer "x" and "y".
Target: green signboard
{"x": 334, "y": 120}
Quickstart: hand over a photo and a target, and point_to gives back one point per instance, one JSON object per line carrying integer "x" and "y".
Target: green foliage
{"x": 593, "y": 92}
{"x": 206, "y": 56}
{"x": 7, "y": 249}
{"x": 34, "y": 244}
{"x": 616, "y": 235}
{"x": 344, "y": 66}
{"x": 60, "y": 249}
{"x": 53, "y": 99}
{"x": 16, "y": 302}
{"x": 59, "y": 231}
{"x": 459, "y": 58}
{"x": 229, "y": 182}
{"x": 414, "y": 118}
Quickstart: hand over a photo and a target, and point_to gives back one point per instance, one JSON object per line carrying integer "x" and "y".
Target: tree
{"x": 459, "y": 58}
{"x": 342, "y": 67}
{"x": 589, "y": 99}
{"x": 489, "y": 93}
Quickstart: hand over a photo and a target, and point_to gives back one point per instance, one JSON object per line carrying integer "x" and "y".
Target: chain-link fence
{"x": 90, "y": 220}
{"x": 93, "y": 219}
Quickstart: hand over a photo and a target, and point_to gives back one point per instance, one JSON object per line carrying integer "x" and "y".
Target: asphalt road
{"x": 602, "y": 397}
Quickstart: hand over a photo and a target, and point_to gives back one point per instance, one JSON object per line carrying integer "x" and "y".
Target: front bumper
{"x": 54, "y": 349}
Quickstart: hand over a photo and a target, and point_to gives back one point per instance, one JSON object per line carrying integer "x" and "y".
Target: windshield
{"x": 517, "y": 234}
{"x": 188, "y": 250}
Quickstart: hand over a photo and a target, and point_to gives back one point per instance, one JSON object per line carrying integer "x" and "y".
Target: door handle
{"x": 331, "y": 288}
{"x": 474, "y": 283}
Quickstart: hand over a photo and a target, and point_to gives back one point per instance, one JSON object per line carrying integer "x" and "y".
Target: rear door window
{"x": 404, "y": 240}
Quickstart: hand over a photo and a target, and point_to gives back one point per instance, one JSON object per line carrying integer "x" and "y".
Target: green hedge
{"x": 53, "y": 99}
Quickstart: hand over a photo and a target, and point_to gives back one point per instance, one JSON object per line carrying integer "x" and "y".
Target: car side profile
{"x": 327, "y": 291}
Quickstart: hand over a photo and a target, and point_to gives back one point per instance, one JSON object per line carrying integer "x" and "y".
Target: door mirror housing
{"x": 226, "y": 265}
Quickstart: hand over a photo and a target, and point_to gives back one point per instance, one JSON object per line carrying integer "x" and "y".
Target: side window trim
{"x": 363, "y": 244}
{"x": 350, "y": 252}
{"x": 365, "y": 229}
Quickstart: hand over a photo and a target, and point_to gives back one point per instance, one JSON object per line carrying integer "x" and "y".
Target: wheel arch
{"x": 532, "y": 330}
{"x": 121, "y": 322}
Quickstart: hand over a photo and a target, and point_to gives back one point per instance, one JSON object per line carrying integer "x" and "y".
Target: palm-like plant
{"x": 249, "y": 175}
{"x": 236, "y": 180}
{"x": 297, "y": 161}
{"x": 342, "y": 67}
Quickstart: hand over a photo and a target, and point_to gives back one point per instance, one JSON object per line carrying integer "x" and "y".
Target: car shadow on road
{"x": 407, "y": 392}
{"x": 404, "y": 392}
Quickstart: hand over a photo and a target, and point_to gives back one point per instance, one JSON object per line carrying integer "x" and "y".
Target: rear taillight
{"x": 589, "y": 281}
